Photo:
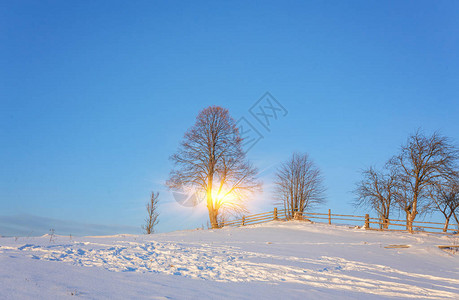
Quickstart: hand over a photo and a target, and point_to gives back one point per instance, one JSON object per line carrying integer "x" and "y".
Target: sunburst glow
{"x": 223, "y": 196}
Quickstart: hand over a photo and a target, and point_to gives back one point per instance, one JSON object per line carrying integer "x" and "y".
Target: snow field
{"x": 295, "y": 258}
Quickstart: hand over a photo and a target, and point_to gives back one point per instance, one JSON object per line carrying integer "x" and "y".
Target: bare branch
{"x": 423, "y": 163}
{"x": 299, "y": 184}
{"x": 210, "y": 160}
{"x": 377, "y": 190}
{"x": 152, "y": 219}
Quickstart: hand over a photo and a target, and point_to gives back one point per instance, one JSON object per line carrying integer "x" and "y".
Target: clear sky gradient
{"x": 96, "y": 95}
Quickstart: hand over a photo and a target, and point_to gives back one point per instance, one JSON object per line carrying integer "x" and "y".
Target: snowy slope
{"x": 296, "y": 260}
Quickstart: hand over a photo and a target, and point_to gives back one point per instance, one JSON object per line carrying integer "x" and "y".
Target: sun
{"x": 224, "y": 196}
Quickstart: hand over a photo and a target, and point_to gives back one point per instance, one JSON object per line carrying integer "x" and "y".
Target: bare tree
{"x": 422, "y": 163}
{"x": 377, "y": 190}
{"x": 152, "y": 218}
{"x": 211, "y": 160}
{"x": 299, "y": 184}
{"x": 445, "y": 198}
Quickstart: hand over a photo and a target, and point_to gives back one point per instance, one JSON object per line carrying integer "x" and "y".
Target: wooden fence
{"x": 257, "y": 218}
{"x": 329, "y": 218}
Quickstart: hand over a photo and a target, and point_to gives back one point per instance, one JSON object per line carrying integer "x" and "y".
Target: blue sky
{"x": 96, "y": 95}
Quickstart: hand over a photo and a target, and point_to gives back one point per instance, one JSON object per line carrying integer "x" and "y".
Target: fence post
{"x": 243, "y": 220}
{"x": 367, "y": 221}
{"x": 329, "y": 216}
{"x": 275, "y": 213}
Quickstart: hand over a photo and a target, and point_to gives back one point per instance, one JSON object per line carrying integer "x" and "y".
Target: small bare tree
{"x": 445, "y": 198}
{"x": 152, "y": 218}
{"x": 377, "y": 190}
{"x": 423, "y": 162}
{"x": 299, "y": 184}
{"x": 211, "y": 161}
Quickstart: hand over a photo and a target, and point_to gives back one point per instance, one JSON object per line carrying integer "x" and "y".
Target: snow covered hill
{"x": 277, "y": 260}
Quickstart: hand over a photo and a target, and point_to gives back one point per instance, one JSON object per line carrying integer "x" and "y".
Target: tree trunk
{"x": 457, "y": 222}
{"x": 213, "y": 212}
{"x": 410, "y": 215}
{"x": 213, "y": 218}
{"x": 445, "y": 228}
{"x": 409, "y": 223}
{"x": 386, "y": 223}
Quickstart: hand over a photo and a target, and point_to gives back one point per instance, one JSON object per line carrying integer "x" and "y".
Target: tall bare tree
{"x": 445, "y": 198}
{"x": 152, "y": 218}
{"x": 211, "y": 160}
{"x": 424, "y": 161}
{"x": 299, "y": 184}
{"x": 377, "y": 190}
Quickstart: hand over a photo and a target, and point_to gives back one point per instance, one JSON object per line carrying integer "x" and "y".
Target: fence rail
{"x": 360, "y": 221}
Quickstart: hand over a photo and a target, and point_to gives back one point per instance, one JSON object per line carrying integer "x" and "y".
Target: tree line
{"x": 421, "y": 178}
{"x": 212, "y": 161}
